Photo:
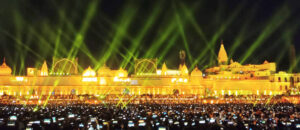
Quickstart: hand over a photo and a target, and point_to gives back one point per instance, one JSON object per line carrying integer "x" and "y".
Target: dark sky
{"x": 252, "y": 31}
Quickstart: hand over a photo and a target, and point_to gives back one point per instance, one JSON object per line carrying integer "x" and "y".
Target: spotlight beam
{"x": 181, "y": 30}
{"x": 143, "y": 32}
{"x": 213, "y": 40}
{"x": 124, "y": 23}
{"x": 274, "y": 23}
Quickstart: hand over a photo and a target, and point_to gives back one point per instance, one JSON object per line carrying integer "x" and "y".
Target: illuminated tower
{"x": 164, "y": 69}
{"x": 184, "y": 70}
{"x": 222, "y": 56}
{"x": 5, "y": 69}
{"x": 44, "y": 69}
{"x": 89, "y": 72}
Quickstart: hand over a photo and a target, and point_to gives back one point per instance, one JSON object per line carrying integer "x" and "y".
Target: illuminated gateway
{"x": 228, "y": 78}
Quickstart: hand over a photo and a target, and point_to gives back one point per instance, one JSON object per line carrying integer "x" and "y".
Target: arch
{"x": 291, "y": 79}
{"x": 279, "y": 79}
{"x": 251, "y": 75}
{"x": 65, "y": 65}
{"x": 145, "y": 66}
{"x": 175, "y": 92}
{"x": 298, "y": 79}
{"x": 285, "y": 79}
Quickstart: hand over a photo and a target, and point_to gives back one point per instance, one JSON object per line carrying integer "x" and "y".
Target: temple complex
{"x": 228, "y": 78}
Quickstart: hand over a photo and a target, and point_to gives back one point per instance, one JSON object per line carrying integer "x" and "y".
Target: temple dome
{"x": 196, "y": 72}
{"x": 235, "y": 65}
{"x": 104, "y": 68}
{"x": 89, "y": 72}
{"x": 122, "y": 73}
{"x": 5, "y": 69}
{"x": 104, "y": 71}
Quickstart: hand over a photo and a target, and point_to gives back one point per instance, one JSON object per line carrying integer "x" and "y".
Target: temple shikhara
{"x": 228, "y": 78}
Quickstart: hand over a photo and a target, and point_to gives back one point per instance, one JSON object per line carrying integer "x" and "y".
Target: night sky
{"x": 252, "y": 31}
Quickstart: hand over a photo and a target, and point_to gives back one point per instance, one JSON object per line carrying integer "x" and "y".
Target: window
{"x": 291, "y": 79}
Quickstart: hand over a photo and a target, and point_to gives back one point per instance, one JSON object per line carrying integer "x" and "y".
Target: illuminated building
{"x": 4, "y": 69}
{"x": 228, "y": 78}
{"x": 236, "y": 70}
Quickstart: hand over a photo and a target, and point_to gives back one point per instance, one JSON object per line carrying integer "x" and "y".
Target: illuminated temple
{"x": 228, "y": 78}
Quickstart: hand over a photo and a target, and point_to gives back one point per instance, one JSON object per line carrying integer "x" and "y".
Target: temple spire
{"x": 4, "y": 62}
{"x": 44, "y": 69}
{"x": 222, "y": 56}
{"x": 164, "y": 69}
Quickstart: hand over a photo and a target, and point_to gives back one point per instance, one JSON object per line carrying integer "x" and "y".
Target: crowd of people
{"x": 150, "y": 116}
{"x": 148, "y": 98}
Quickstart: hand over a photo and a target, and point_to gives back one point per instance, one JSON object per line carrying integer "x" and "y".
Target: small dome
{"x": 235, "y": 64}
{"x": 122, "y": 73}
{"x": 104, "y": 68}
{"x": 266, "y": 62}
{"x": 89, "y": 72}
{"x": 184, "y": 70}
{"x": 104, "y": 71}
{"x": 4, "y": 69}
{"x": 196, "y": 72}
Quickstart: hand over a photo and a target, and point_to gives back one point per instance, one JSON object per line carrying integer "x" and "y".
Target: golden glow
{"x": 5, "y": 69}
{"x": 184, "y": 70}
{"x": 158, "y": 72}
{"x": 89, "y": 79}
{"x": 89, "y": 72}
{"x": 122, "y": 73}
{"x": 232, "y": 79}
{"x": 31, "y": 71}
{"x": 164, "y": 69}
{"x": 102, "y": 81}
{"x": 117, "y": 79}
{"x": 179, "y": 80}
{"x": 185, "y": 80}
{"x": 44, "y": 69}
{"x": 222, "y": 56}
{"x": 20, "y": 79}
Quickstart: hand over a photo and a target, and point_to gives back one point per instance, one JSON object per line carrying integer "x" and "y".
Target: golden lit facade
{"x": 225, "y": 79}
